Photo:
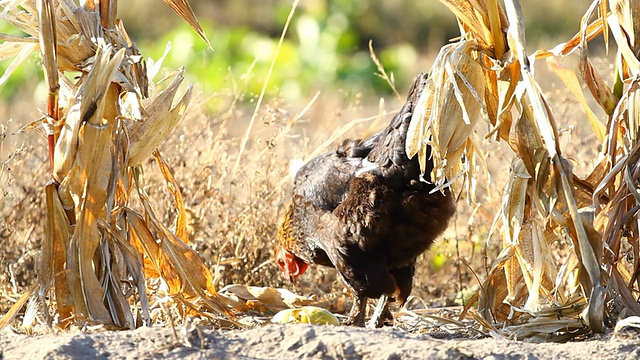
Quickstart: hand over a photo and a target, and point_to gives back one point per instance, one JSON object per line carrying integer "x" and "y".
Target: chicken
{"x": 365, "y": 210}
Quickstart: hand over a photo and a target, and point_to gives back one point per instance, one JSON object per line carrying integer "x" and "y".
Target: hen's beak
{"x": 289, "y": 275}
{"x": 286, "y": 273}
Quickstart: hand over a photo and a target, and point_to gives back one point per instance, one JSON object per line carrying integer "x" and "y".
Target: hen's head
{"x": 292, "y": 265}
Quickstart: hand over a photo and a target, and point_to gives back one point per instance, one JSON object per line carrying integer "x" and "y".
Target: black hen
{"x": 365, "y": 210}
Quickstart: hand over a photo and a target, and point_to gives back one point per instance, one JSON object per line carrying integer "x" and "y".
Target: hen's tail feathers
{"x": 388, "y": 156}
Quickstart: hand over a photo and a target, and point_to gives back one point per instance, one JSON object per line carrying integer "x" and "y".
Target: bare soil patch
{"x": 297, "y": 341}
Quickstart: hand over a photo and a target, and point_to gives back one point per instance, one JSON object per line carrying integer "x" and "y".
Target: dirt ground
{"x": 298, "y": 341}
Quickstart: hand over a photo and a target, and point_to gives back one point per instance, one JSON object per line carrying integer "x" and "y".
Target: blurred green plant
{"x": 25, "y": 77}
{"x": 326, "y": 48}
{"x": 320, "y": 56}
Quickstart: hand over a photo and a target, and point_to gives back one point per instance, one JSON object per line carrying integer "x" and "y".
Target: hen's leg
{"x": 366, "y": 277}
{"x": 404, "y": 278}
{"x": 357, "y": 313}
{"x": 404, "y": 282}
{"x": 381, "y": 314}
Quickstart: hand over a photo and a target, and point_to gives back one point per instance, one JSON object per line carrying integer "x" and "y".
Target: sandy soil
{"x": 298, "y": 341}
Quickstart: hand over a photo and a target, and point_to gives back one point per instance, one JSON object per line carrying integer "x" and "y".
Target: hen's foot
{"x": 357, "y": 313}
{"x": 381, "y": 315}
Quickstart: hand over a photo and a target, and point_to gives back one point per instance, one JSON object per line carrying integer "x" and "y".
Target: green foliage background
{"x": 326, "y": 47}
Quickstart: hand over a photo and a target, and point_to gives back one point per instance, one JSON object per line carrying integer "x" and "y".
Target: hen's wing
{"x": 324, "y": 181}
{"x": 319, "y": 187}
{"x": 367, "y": 210}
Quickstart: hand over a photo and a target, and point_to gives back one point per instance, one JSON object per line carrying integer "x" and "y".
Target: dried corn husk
{"x": 244, "y": 297}
{"x": 446, "y": 114}
{"x": 543, "y": 201}
{"x": 306, "y": 315}
{"x": 101, "y": 128}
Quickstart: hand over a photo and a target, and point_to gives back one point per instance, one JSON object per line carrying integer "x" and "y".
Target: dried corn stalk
{"x": 488, "y": 72}
{"x": 105, "y": 262}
